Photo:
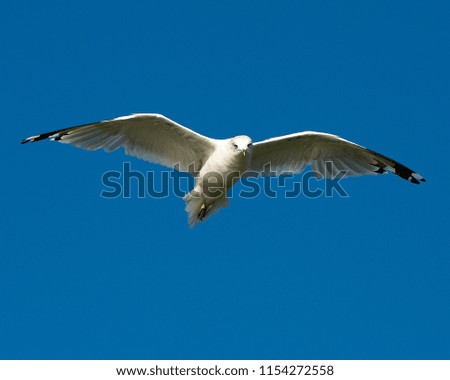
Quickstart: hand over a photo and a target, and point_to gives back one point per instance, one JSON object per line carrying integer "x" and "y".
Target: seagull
{"x": 157, "y": 139}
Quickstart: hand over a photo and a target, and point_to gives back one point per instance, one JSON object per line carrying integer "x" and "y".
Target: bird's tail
{"x": 200, "y": 209}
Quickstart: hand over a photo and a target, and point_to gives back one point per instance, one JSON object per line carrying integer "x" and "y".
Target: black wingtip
{"x": 32, "y": 139}
{"x": 380, "y": 170}
{"x": 416, "y": 179}
{"x": 396, "y": 168}
{"x": 55, "y": 135}
{"x": 28, "y": 139}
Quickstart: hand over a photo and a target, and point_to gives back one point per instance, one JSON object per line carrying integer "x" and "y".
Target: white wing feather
{"x": 292, "y": 153}
{"x": 151, "y": 137}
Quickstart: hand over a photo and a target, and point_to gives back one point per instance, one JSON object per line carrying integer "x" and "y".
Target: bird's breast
{"x": 225, "y": 169}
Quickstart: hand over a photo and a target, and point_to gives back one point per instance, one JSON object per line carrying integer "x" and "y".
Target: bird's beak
{"x": 244, "y": 151}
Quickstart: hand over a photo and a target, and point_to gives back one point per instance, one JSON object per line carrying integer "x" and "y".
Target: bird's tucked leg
{"x": 204, "y": 209}
{"x": 199, "y": 209}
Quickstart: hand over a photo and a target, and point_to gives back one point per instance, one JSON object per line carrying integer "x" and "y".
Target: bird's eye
{"x": 251, "y": 144}
{"x": 235, "y": 145}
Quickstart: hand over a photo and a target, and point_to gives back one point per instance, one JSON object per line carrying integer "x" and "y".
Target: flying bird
{"x": 157, "y": 139}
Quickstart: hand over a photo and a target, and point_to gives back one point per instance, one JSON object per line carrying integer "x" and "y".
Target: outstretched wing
{"x": 151, "y": 137}
{"x": 292, "y": 153}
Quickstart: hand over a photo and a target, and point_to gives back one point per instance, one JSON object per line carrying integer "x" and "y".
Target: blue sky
{"x": 365, "y": 277}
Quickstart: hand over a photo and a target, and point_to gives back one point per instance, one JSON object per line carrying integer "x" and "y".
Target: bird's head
{"x": 242, "y": 145}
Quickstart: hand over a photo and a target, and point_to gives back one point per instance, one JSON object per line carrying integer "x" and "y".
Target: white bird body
{"x": 219, "y": 173}
{"x": 218, "y": 164}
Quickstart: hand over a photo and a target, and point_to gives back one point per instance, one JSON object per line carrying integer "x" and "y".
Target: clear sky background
{"x": 365, "y": 277}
